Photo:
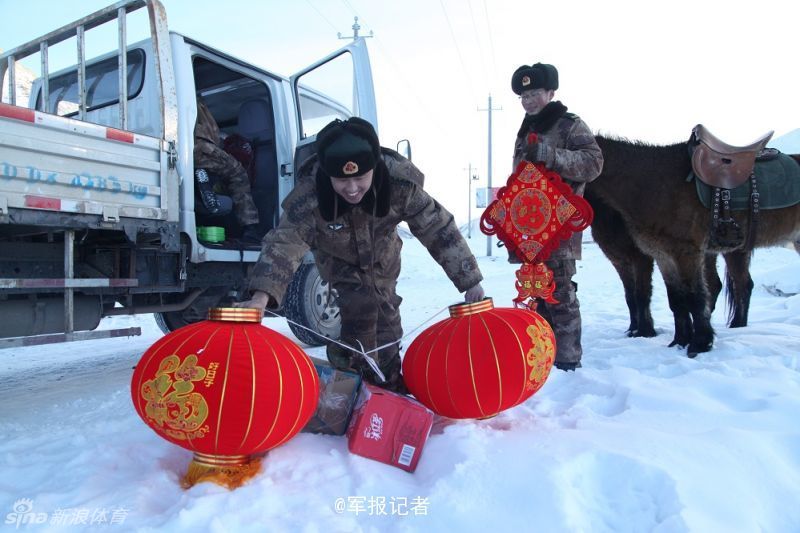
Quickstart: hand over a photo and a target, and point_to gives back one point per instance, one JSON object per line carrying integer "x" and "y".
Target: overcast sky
{"x": 643, "y": 70}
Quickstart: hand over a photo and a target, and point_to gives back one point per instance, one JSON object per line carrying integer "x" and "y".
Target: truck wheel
{"x": 169, "y": 322}
{"x": 308, "y": 304}
{"x": 198, "y": 311}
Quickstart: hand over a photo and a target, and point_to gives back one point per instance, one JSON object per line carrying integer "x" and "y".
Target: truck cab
{"x": 98, "y": 209}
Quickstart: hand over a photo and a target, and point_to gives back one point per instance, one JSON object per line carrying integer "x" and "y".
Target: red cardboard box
{"x": 388, "y": 427}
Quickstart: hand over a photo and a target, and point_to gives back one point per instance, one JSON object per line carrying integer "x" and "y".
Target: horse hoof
{"x": 693, "y": 350}
{"x": 676, "y": 342}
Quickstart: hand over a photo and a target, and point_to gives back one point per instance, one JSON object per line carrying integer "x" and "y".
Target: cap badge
{"x": 350, "y": 168}
{"x": 526, "y": 80}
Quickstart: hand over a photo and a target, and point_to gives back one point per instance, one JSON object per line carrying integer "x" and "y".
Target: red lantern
{"x": 480, "y": 361}
{"x": 226, "y": 389}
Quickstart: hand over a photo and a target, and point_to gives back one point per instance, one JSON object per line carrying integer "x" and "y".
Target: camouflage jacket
{"x": 205, "y": 128}
{"x": 570, "y": 150}
{"x": 359, "y": 245}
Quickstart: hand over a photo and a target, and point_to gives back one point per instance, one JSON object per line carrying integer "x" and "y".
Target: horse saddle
{"x": 719, "y": 164}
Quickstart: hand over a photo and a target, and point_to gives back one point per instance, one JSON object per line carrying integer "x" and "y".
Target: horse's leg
{"x": 713, "y": 282}
{"x": 642, "y": 266}
{"x": 676, "y": 296}
{"x": 635, "y": 269}
{"x": 739, "y": 286}
{"x": 689, "y": 300}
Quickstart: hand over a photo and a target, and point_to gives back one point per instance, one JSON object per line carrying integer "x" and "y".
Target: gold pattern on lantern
{"x": 170, "y": 400}
{"x": 541, "y": 355}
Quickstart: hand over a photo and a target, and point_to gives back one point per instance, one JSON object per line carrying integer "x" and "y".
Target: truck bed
{"x": 54, "y": 163}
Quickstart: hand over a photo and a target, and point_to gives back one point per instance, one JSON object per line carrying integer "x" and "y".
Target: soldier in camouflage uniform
{"x": 208, "y": 155}
{"x": 566, "y": 145}
{"x": 345, "y": 207}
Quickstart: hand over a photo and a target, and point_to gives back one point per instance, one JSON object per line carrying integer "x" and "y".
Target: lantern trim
{"x": 280, "y": 396}
{"x": 427, "y": 371}
{"x": 423, "y": 338}
{"x": 300, "y": 409}
{"x": 197, "y": 326}
{"x": 466, "y": 309}
{"x": 209, "y": 459}
{"x": 235, "y": 314}
{"x": 523, "y": 353}
{"x": 453, "y": 404}
{"x": 497, "y": 367}
{"x": 472, "y": 368}
{"x": 253, "y": 391}
{"x": 224, "y": 389}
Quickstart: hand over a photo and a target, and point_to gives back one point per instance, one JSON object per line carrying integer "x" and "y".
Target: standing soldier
{"x": 565, "y": 145}
{"x": 346, "y": 206}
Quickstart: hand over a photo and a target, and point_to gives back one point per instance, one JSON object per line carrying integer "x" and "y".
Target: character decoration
{"x": 227, "y": 389}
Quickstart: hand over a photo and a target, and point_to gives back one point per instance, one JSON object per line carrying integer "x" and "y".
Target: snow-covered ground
{"x": 640, "y": 439}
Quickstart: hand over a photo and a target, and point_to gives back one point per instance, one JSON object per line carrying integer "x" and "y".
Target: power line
{"x": 458, "y": 49}
{"x": 399, "y": 75}
{"x": 491, "y": 41}
{"x": 321, "y": 15}
{"x": 478, "y": 42}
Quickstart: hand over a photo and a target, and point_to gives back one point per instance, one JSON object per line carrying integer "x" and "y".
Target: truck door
{"x": 338, "y": 86}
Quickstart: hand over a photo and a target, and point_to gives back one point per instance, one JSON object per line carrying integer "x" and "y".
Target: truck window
{"x": 327, "y": 93}
{"x": 102, "y": 85}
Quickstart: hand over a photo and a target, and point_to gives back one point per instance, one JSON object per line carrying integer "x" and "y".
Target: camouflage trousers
{"x": 369, "y": 319}
{"x": 218, "y": 162}
{"x": 565, "y": 316}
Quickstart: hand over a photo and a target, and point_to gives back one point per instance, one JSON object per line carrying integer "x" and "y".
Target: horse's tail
{"x": 730, "y": 297}
{"x": 738, "y": 286}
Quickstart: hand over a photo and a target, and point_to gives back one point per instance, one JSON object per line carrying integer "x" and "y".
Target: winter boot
{"x": 339, "y": 357}
{"x": 566, "y": 367}
{"x": 394, "y": 378}
{"x": 206, "y": 191}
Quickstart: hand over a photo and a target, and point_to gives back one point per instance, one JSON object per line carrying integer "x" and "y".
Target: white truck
{"x": 97, "y": 191}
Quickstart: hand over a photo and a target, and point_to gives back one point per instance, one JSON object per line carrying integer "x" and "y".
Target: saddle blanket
{"x": 777, "y": 180}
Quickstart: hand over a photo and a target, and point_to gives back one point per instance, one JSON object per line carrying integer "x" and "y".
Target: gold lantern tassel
{"x": 230, "y": 471}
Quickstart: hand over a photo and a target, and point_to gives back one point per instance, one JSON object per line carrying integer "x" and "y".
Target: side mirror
{"x": 404, "y": 148}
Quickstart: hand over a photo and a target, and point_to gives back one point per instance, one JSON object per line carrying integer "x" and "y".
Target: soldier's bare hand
{"x": 475, "y": 294}
{"x": 259, "y": 300}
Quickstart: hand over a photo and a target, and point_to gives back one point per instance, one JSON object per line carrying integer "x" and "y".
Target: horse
{"x": 646, "y": 212}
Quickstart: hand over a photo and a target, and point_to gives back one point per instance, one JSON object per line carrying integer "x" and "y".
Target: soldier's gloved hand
{"x": 536, "y": 152}
{"x": 259, "y": 300}
{"x": 475, "y": 294}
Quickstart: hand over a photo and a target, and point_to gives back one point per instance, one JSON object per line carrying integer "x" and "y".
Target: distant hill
{"x": 788, "y": 143}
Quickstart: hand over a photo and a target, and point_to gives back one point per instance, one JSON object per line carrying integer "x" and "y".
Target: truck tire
{"x": 308, "y": 304}
{"x": 197, "y": 312}
{"x": 169, "y": 322}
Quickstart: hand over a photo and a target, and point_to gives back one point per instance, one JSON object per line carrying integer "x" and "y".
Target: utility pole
{"x": 356, "y": 26}
{"x": 489, "y": 169}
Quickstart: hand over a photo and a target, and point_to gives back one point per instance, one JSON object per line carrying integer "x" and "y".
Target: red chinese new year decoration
{"x": 532, "y": 214}
{"x": 480, "y": 361}
{"x": 534, "y": 280}
{"x": 227, "y": 389}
